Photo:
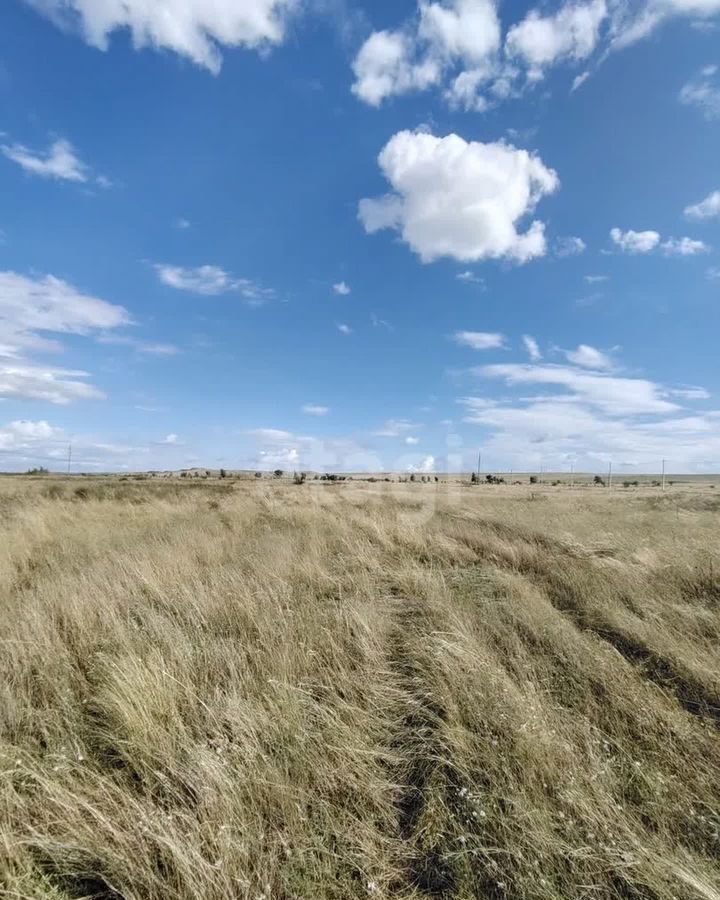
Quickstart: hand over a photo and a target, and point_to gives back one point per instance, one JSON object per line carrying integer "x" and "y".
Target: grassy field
{"x": 219, "y": 689}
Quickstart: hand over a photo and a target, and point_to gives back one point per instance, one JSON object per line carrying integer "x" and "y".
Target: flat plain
{"x": 253, "y": 689}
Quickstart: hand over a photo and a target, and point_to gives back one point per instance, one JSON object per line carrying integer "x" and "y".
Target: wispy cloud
{"x": 342, "y": 288}
{"x": 60, "y": 161}
{"x": 210, "y": 281}
{"x": 479, "y": 340}
{"x": 532, "y": 347}
{"x": 703, "y": 92}
{"x": 314, "y": 409}
{"x": 397, "y": 428}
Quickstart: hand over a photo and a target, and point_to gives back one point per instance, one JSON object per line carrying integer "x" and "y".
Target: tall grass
{"x": 260, "y": 690}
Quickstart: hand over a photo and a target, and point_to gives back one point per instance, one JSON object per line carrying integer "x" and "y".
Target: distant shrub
{"x": 40, "y": 470}
{"x": 223, "y": 473}
{"x": 412, "y": 477}
{"x": 299, "y": 477}
{"x": 278, "y": 473}
{"x": 599, "y": 481}
{"x": 533, "y": 479}
{"x": 258, "y": 474}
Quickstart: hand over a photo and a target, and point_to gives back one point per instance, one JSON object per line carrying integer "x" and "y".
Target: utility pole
{"x": 69, "y": 457}
{"x": 479, "y": 464}
{"x": 610, "y": 475}
{"x": 572, "y": 475}
{"x": 663, "y": 475}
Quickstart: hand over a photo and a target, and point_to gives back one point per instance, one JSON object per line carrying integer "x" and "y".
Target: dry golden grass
{"x": 257, "y": 690}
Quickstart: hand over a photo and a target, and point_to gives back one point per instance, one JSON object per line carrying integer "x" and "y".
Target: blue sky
{"x": 360, "y": 235}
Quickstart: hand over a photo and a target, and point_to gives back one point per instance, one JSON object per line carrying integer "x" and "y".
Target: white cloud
{"x": 384, "y": 67}
{"x": 532, "y": 347}
{"x": 31, "y": 306}
{"x": 193, "y": 28}
{"x": 635, "y": 241}
{"x": 60, "y": 161}
{"x": 691, "y": 393}
{"x": 479, "y": 340}
{"x": 708, "y": 208}
{"x": 397, "y": 427}
{"x": 21, "y": 432}
{"x": 182, "y": 224}
{"x": 419, "y": 54}
{"x": 27, "y": 381}
{"x": 344, "y": 329}
{"x": 579, "y": 80}
{"x": 596, "y": 279}
{"x": 211, "y": 281}
{"x": 412, "y": 441}
{"x": 469, "y": 278}
{"x": 170, "y": 439}
{"x": 613, "y": 395}
{"x": 713, "y": 274}
{"x": 147, "y": 347}
{"x": 271, "y": 434}
{"x": 427, "y": 465}
{"x": 342, "y": 288}
{"x": 571, "y": 33}
{"x": 684, "y": 247}
{"x": 313, "y": 409}
{"x": 589, "y": 358}
{"x": 633, "y": 22}
{"x": 703, "y": 92}
{"x": 596, "y": 418}
{"x": 451, "y": 197}
{"x": 569, "y": 246}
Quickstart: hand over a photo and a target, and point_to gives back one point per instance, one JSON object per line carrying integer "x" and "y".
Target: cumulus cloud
{"x": 412, "y": 441}
{"x": 344, "y": 329}
{"x": 646, "y": 241}
{"x": 635, "y": 241}
{"x": 570, "y": 33}
{"x": 195, "y": 29}
{"x": 462, "y": 199}
{"x": 479, "y": 340}
{"x": 342, "y": 288}
{"x": 456, "y": 46}
{"x": 684, "y": 247}
{"x": 417, "y": 56}
{"x": 532, "y": 347}
{"x": 426, "y": 465}
{"x": 211, "y": 281}
{"x": 703, "y": 92}
{"x": 589, "y": 358}
{"x": 313, "y": 409}
{"x": 709, "y": 208}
